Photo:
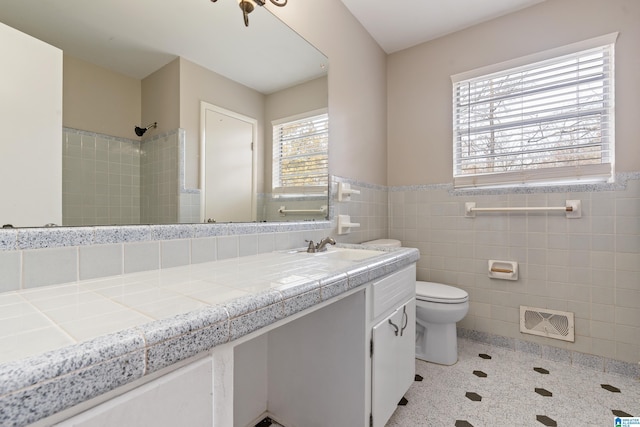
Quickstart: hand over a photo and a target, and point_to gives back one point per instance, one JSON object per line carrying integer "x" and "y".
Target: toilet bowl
{"x": 438, "y": 308}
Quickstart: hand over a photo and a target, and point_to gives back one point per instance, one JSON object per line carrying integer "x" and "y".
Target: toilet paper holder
{"x": 505, "y": 270}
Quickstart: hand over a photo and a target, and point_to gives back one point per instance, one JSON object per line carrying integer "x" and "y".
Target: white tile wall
{"x": 203, "y": 250}
{"x": 141, "y": 256}
{"x": 100, "y": 261}
{"x": 590, "y": 266}
{"x": 49, "y": 266}
{"x": 10, "y": 269}
{"x": 269, "y": 208}
{"x": 109, "y": 180}
{"x": 227, "y": 247}
{"x": 159, "y": 171}
{"x": 101, "y": 179}
{"x": 370, "y": 208}
{"x": 189, "y": 207}
{"x": 175, "y": 253}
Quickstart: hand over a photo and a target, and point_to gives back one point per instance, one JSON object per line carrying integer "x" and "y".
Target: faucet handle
{"x": 311, "y": 247}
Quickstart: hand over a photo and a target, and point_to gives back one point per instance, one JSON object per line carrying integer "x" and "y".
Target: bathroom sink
{"x": 342, "y": 254}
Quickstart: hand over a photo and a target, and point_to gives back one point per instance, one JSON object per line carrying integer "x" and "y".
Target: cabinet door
{"x": 393, "y": 361}
{"x": 383, "y": 367}
{"x": 406, "y": 349}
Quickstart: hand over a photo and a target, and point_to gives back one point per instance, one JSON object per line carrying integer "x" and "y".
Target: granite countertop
{"x": 65, "y": 344}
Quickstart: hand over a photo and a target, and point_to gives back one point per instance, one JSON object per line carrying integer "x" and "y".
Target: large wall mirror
{"x": 187, "y": 70}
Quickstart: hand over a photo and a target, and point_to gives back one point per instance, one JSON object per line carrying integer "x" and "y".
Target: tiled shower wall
{"x": 159, "y": 169}
{"x": 164, "y": 198}
{"x": 100, "y": 179}
{"x": 589, "y": 266}
{"x": 115, "y": 181}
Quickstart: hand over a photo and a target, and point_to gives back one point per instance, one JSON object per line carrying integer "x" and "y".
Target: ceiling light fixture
{"x": 247, "y": 6}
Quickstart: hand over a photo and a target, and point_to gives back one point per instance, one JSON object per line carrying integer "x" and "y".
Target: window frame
{"x": 320, "y": 190}
{"x": 602, "y": 172}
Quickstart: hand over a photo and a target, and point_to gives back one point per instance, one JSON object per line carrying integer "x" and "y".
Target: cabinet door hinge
{"x": 371, "y": 348}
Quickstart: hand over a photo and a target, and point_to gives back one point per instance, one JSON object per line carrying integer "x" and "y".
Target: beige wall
{"x": 357, "y": 90}
{"x": 420, "y": 92}
{"x": 357, "y": 94}
{"x": 200, "y": 84}
{"x": 99, "y": 100}
{"x": 172, "y": 96}
{"x": 357, "y": 86}
{"x": 299, "y": 99}
{"x": 161, "y": 98}
{"x": 588, "y": 266}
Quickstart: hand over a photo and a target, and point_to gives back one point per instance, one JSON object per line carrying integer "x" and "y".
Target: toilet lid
{"x": 437, "y": 292}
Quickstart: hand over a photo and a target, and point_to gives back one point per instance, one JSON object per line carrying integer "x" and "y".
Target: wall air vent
{"x": 547, "y": 323}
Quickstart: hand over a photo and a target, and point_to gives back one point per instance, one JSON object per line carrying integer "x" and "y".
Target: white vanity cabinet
{"x": 342, "y": 365}
{"x": 392, "y": 342}
{"x": 180, "y": 398}
{"x": 346, "y": 362}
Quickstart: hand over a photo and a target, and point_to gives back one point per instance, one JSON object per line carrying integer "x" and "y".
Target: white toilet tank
{"x": 389, "y": 243}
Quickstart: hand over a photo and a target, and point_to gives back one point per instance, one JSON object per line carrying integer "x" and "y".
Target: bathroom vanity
{"x": 317, "y": 339}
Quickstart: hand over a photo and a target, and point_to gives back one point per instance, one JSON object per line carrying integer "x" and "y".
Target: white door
{"x": 228, "y": 166}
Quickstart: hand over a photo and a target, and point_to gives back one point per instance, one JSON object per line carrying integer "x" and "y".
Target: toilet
{"x": 438, "y": 308}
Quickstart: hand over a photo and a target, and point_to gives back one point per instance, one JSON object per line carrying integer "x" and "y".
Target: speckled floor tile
{"x": 501, "y": 390}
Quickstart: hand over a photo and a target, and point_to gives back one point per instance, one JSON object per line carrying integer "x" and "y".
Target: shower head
{"x": 140, "y": 131}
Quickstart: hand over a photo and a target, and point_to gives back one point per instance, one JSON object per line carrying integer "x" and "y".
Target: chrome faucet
{"x": 320, "y": 247}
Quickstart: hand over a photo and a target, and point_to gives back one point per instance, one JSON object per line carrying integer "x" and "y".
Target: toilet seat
{"x": 437, "y": 292}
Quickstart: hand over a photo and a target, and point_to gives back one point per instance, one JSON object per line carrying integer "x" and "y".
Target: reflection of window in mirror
{"x": 300, "y": 154}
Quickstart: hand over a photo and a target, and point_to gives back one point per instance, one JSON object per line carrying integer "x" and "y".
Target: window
{"x": 543, "y": 121}
{"x": 300, "y": 154}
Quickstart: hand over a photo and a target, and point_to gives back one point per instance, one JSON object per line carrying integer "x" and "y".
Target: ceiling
{"x": 138, "y": 37}
{"x": 399, "y": 24}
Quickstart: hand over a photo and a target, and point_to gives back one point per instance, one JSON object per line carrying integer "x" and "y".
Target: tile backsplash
{"x": 589, "y": 266}
{"x": 32, "y": 257}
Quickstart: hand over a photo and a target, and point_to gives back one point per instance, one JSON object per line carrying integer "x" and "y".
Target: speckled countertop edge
{"x": 54, "y": 237}
{"x": 37, "y": 387}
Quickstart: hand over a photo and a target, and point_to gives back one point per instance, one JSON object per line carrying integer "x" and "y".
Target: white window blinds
{"x": 547, "y": 121}
{"x": 300, "y": 155}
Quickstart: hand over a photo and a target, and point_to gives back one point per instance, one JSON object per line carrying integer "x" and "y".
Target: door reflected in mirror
{"x": 228, "y": 178}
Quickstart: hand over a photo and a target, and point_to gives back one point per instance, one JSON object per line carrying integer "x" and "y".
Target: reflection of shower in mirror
{"x": 127, "y": 156}
{"x": 140, "y": 131}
